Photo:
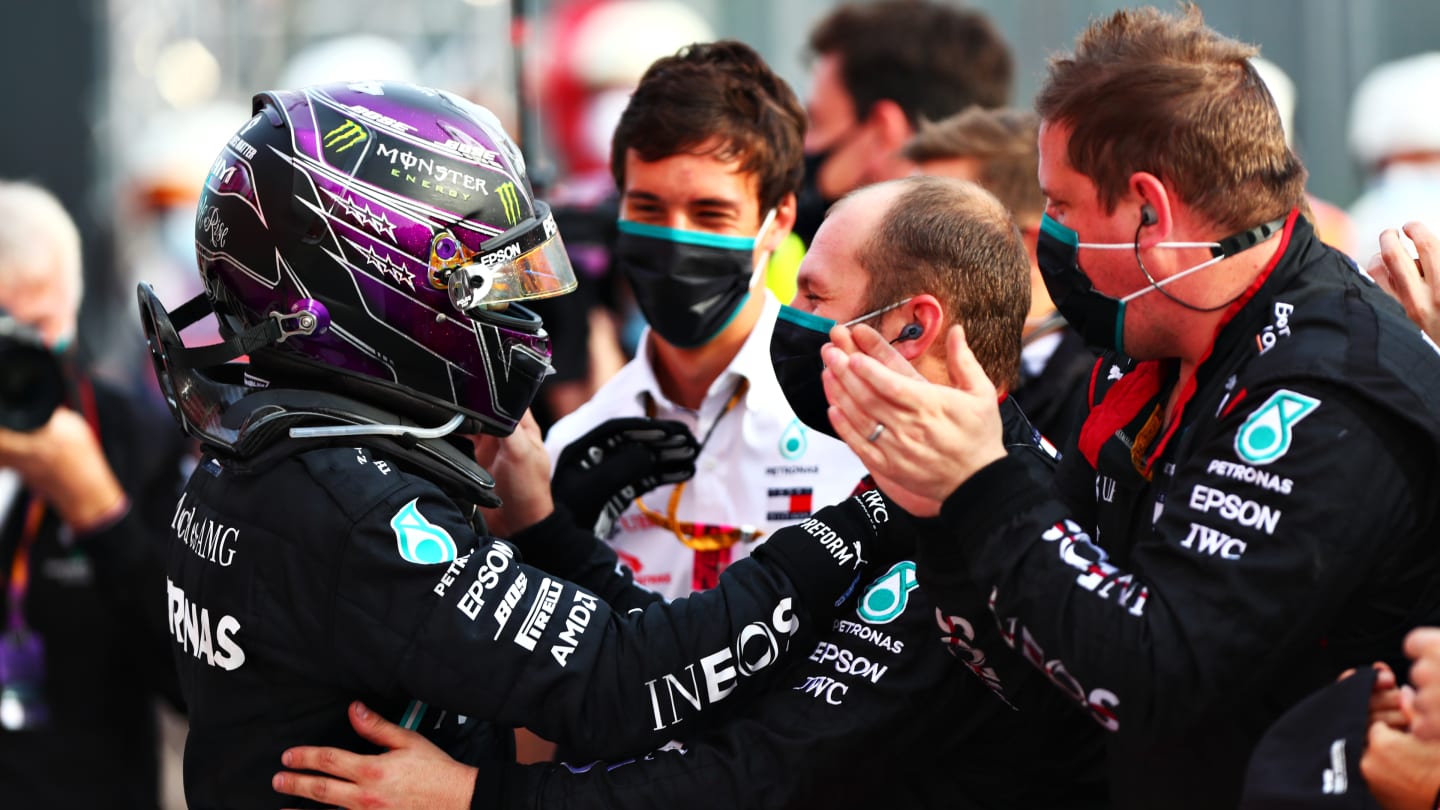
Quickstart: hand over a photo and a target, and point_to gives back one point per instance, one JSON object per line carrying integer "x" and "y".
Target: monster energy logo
{"x": 348, "y": 133}
{"x": 512, "y": 203}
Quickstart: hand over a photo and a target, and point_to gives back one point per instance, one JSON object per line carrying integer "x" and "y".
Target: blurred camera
{"x": 32, "y": 382}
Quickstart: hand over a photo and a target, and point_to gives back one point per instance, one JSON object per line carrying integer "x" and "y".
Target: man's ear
{"x": 890, "y": 130}
{"x": 922, "y": 326}
{"x": 1154, "y": 209}
{"x": 890, "y": 125}
{"x": 779, "y": 227}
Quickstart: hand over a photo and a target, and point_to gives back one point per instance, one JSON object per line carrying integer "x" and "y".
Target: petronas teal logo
{"x": 420, "y": 541}
{"x": 1266, "y": 434}
{"x": 793, "y": 442}
{"x": 887, "y": 596}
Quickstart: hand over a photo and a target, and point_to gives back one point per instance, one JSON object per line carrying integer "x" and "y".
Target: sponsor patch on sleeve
{"x": 420, "y": 541}
{"x": 1267, "y": 432}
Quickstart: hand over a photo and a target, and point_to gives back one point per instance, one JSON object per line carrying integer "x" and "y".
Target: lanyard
{"x": 34, "y": 519}
{"x": 20, "y": 563}
{"x": 700, "y": 536}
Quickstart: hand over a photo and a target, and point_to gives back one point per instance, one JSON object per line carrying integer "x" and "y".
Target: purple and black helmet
{"x": 390, "y": 232}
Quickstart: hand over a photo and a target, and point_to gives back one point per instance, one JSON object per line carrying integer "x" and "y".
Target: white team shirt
{"x": 761, "y": 467}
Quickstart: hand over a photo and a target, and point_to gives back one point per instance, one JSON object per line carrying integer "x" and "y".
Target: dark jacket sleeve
{"x": 748, "y": 764}
{"x": 482, "y": 633}
{"x": 852, "y": 723}
{"x": 557, "y": 545}
{"x": 1233, "y": 578}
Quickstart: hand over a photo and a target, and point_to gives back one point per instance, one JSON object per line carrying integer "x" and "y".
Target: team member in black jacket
{"x": 873, "y": 713}
{"x": 87, "y": 481}
{"x": 368, "y": 246}
{"x": 1249, "y": 508}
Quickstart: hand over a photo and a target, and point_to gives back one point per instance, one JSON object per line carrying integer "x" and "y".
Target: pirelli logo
{"x": 511, "y": 199}
{"x": 541, "y": 610}
{"x": 345, "y": 136}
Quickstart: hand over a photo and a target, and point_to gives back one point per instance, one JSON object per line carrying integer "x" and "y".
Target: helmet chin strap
{"x": 256, "y": 425}
{"x": 275, "y": 330}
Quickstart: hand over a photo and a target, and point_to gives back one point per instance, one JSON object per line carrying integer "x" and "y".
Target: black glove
{"x": 599, "y": 474}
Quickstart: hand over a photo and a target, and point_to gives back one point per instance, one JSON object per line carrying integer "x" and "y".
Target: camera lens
{"x": 32, "y": 385}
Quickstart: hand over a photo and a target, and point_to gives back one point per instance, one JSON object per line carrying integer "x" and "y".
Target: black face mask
{"x": 1098, "y": 318}
{"x": 795, "y": 352}
{"x": 810, "y": 204}
{"x": 689, "y": 284}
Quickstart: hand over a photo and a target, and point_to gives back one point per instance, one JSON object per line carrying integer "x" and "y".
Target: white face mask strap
{"x": 1131, "y": 245}
{"x": 764, "y": 258}
{"x": 765, "y": 225}
{"x": 881, "y": 311}
{"x": 1164, "y": 281}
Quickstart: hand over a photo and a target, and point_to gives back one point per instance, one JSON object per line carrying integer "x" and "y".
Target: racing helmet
{"x": 377, "y": 239}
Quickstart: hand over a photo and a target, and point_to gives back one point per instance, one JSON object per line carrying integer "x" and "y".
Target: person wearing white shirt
{"x": 707, "y": 157}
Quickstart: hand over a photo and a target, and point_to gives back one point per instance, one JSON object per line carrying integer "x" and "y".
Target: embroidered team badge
{"x": 885, "y": 599}
{"x": 1266, "y": 434}
{"x": 420, "y": 541}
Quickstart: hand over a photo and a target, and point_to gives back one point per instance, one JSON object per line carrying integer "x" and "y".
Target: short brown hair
{"x": 954, "y": 240}
{"x": 930, "y": 59}
{"x": 1155, "y": 92}
{"x": 721, "y": 92}
{"x": 1005, "y": 144}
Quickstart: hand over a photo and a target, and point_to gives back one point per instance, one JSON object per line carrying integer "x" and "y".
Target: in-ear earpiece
{"x": 910, "y": 332}
{"x": 1148, "y": 215}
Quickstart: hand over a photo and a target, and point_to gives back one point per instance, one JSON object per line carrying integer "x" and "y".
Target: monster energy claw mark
{"x": 512, "y": 203}
{"x": 348, "y": 133}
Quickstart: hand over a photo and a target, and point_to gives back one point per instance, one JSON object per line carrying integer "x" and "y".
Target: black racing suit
{"x": 320, "y": 577}
{"x": 1187, "y": 586}
{"x": 871, "y": 713}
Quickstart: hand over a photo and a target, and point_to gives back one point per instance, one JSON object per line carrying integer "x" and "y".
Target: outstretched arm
{"x": 486, "y": 635}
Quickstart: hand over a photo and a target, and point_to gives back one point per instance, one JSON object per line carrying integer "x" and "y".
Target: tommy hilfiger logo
{"x": 789, "y": 503}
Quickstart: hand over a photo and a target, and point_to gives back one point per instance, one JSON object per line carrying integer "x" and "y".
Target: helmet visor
{"x": 526, "y": 263}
